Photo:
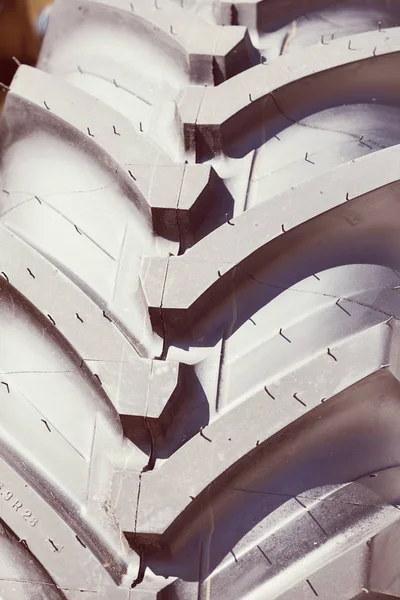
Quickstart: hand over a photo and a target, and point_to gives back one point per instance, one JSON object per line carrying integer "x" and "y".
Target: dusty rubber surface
{"x": 199, "y": 303}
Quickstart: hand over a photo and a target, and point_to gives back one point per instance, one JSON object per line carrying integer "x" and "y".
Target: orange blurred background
{"x": 18, "y": 35}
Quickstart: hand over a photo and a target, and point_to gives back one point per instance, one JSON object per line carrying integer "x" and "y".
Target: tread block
{"x": 242, "y": 492}
{"x": 236, "y": 255}
{"x": 245, "y": 111}
{"x": 187, "y": 201}
{"x": 185, "y": 41}
{"x": 269, "y": 563}
{"x": 20, "y": 573}
{"x": 215, "y": 450}
{"x": 73, "y": 564}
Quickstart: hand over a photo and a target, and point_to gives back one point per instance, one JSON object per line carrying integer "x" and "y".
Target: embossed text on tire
{"x": 9, "y": 497}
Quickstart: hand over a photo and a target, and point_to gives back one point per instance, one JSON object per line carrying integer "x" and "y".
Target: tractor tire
{"x": 199, "y": 283}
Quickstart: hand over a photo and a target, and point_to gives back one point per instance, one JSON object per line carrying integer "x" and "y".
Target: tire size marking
{"x": 9, "y": 497}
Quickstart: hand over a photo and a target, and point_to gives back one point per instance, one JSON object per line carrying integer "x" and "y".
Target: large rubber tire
{"x": 199, "y": 313}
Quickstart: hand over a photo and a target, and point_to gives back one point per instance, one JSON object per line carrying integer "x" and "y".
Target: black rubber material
{"x": 199, "y": 310}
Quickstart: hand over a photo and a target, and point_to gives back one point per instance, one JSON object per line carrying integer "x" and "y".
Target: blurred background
{"x": 22, "y": 25}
